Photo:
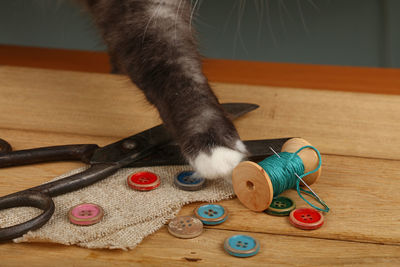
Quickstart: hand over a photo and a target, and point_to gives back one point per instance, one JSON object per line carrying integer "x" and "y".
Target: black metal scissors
{"x": 152, "y": 147}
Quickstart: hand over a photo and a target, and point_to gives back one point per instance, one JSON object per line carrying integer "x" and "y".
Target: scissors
{"x": 152, "y": 147}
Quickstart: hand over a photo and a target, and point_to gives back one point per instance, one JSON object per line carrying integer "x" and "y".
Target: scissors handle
{"x": 40, "y": 197}
{"x": 10, "y": 158}
{"x": 22, "y": 199}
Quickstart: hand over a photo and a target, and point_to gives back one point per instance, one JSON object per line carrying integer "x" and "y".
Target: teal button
{"x": 242, "y": 246}
{"x": 211, "y": 214}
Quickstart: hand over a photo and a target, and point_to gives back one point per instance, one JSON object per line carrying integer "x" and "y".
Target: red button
{"x": 143, "y": 181}
{"x": 307, "y": 219}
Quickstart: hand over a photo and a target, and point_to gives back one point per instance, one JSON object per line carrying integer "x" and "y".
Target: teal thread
{"x": 282, "y": 169}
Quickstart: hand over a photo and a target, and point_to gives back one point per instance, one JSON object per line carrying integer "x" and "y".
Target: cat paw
{"x": 219, "y": 161}
{"x": 208, "y": 139}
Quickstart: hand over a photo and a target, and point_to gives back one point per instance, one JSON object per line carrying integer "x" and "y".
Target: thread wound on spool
{"x": 280, "y": 172}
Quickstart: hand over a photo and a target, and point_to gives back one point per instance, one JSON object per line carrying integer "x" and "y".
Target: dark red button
{"x": 306, "y": 219}
{"x": 143, "y": 181}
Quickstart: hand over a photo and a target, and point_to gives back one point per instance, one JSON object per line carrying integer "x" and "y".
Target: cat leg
{"x": 153, "y": 43}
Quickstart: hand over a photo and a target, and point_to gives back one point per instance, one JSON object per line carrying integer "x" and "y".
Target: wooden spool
{"x": 252, "y": 185}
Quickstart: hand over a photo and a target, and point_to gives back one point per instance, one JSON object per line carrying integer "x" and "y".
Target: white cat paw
{"x": 220, "y": 162}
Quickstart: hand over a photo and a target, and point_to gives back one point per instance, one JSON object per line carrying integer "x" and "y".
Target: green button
{"x": 281, "y": 206}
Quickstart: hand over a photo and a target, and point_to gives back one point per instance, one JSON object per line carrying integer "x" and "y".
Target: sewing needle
{"x": 315, "y": 194}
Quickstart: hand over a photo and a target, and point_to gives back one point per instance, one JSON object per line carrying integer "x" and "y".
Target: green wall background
{"x": 335, "y": 32}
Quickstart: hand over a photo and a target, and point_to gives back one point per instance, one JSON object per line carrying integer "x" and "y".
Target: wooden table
{"x": 358, "y": 135}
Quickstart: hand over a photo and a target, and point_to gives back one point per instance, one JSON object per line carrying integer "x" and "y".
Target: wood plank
{"x": 57, "y": 59}
{"x": 51, "y": 107}
{"x": 361, "y": 194}
{"x": 161, "y": 249}
{"x": 91, "y": 104}
{"x": 357, "y": 190}
{"x": 338, "y": 78}
{"x": 343, "y": 123}
{"x": 343, "y": 78}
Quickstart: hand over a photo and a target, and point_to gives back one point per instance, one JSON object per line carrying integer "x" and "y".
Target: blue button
{"x": 211, "y": 214}
{"x": 241, "y": 246}
{"x": 189, "y": 181}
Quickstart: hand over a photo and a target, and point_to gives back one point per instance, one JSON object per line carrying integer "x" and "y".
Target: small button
{"x": 189, "y": 181}
{"x": 281, "y": 206}
{"x": 211, "y": 214}
{"x": 306, "y": 219}
{"x": 85, "y": 214}
{"x": 185, "y": 227}
{"x": 143, "y": 181}
{"x": 241, "y": 246}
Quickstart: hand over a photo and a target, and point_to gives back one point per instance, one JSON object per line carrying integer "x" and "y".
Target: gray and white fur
{"x": 152, "y": 41}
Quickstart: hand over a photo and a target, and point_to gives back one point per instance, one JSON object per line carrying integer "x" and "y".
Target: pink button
{"x": 85, "y": 214}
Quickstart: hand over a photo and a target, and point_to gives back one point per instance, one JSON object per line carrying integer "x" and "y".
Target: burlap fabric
{"x": 129, "y": 215}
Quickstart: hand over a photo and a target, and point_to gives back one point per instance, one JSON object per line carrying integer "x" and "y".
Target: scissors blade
{"x": 235, "y": 110}
{"x": 171, "y": 155}
{"x": 143, "y": 144}
{"x": 260, "y": 149}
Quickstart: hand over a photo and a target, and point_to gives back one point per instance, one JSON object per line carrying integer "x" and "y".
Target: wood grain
{"x": 358, "y": 134}
{"x": 339, "y": 78}
{"x": 365, "y": 125}
{"x": 162, "y": 249}
{"x": 360, "y": 192}
{"x": 57, "y": 59}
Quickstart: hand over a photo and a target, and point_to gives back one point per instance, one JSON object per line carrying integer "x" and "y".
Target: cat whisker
{"x": 314, "y": 5}
{"x": 285, "y": 9}
{"x": 176, "y": 20}
{"x": 271, "y": 30}
{"x": 260, "y": 14}
{"x": 229, "y": 17}
{"x": 302, "y": 17}
{"x": 282, "y": 10}
{"x": 150, "y": 19}
{"x": 192, "y": 13}
{"x": 238, "y": 35}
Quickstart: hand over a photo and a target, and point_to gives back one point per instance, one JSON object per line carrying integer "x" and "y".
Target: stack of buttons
{"x": 190, "y": 227}
{"x": 211, "y": 214}
{"x": 281, "y": 206}
{"x": 302, "y": 218}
